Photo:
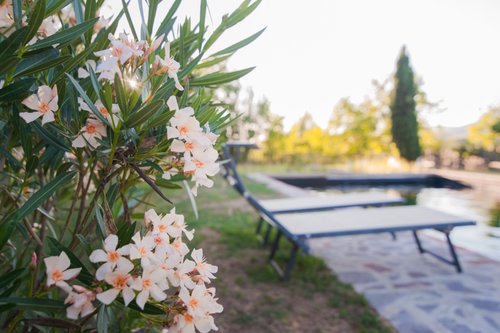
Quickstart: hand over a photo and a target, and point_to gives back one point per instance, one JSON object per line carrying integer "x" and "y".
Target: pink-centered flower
{"x": 93, "y": 130}
{"x": 148, "y": 285}
{"x": 110, "y": 115}
{"x": 167, "y": 65}
{"x": 111, "y": 256}
{"x": 81, "y": 302}
{"x": 58, "y": 271}
{"x": 205, "y": 270}
{"x": 120, "y": 280}
{"x": 44, "y": 102}
{"x": 6, "y": 14}
{"x": 142, "y": 249}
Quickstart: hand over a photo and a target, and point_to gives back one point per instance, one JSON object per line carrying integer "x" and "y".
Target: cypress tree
{"x": 403, "y": 113}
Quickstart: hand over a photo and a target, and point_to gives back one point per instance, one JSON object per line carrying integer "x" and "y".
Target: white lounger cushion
{"x": 368, "y": 220}
{"x": 315, "y": 202}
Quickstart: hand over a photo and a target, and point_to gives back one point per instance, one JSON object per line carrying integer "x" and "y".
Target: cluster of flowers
{"x": 192, "y": 145}
{"x": 144, "y": 270}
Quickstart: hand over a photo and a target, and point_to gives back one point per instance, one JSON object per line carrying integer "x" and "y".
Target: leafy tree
{"x": 403, "y": 110}
{"x": 484, "y": 133}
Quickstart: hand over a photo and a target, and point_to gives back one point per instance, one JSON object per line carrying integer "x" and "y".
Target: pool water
{"x": 483, "y": 238}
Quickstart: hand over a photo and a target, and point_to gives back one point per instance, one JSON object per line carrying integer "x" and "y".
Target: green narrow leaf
{"x": 49, "y": 137}
{"x": 13, "y": 162}
{"x": 153, "y": 7}
{"x": 37, "y": 304}
{"x": 65, "y": 35}
{"x": 40, "y": 62}
{"x": 9, "y": 46}
{"x": 219, "y": 78}
{"x": 161, "y": 120}
{"x": 17, "y": 91}
{"x": 102, "y": 319}
{"x": 87, "y": 100}
{"x": 77, "y": 6}
{"x": 129, "y": 19}
{"x": 203, "y": 13}
{"x": 35, "y": 20}
{"x": 54, "y": 6}
{"x": 233, "y": 48}
{"x": 39, "y": 197}
{"x": 125, "y": 233}
{"x": 166, "y": 184}
{"x": 167, "y": 22}
{"x": 36, "y": 60}
{"x": 10, "y": 277}
{"x": 35, "y": 201}
{"x": 213, "y": 62}
{"x": 143, "y": 114}
{"x": 73, "y": 63}
{"x": 17, "y": 8}
{"x": 100, "y": 221}
{"x": 121, "y": 96}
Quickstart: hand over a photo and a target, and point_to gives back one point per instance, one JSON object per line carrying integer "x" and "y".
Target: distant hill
{"x": 451, "y": 134}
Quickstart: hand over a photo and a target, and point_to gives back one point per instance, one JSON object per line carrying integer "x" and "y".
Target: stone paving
{"x": 415, "y": 292}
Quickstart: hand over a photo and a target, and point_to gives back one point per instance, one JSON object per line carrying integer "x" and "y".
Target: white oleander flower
{"x": 6, "y": 14}
{"x": 112, "y": 116}
{"x": 205, "y": 270}
{"x": 200, "y": 305}
{"x": 81, "y": 302}
{"x": 142, "y": 249}
{"x": 182, "y": 275}
{"x": 167, "y": 65}
{"x": 44, "y": 102}
{"x": 58, "y": 272}
{"x": 148, "y": 285}
{"x": 93, "y": 130}
{"x": 84, "y": 72}
{"x": 111, "y": 256}
{"x": 120, "y": 280}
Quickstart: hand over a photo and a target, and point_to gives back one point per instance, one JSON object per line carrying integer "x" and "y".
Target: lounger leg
{"x": 453, "y": 253}
{"x": 266, "y": 236}
{"x": 393, "y": 234}
{"x": 259, "y": 225}
{"x": 275, "y": 246}
{"x": 417, "y": 240}
{"x": 291, "y": 262}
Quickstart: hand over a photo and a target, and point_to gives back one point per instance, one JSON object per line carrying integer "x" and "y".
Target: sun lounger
{"x": 298, "y": 228}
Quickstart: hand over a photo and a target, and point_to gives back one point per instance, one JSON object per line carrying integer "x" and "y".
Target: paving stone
{"x": 484, "y": 304}
{"x": 406, "y": 323}
{"x": 458, "y": 286}
{"x": 357, "y": 277}
{"x": 493, "y": 323}
{"x": 453, "y": 326}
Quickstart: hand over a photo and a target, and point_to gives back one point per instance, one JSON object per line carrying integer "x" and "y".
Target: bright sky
{"x": 315, "y": 52}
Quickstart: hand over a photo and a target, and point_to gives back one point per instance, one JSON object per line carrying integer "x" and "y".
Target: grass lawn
{"x": 254, "y": 298}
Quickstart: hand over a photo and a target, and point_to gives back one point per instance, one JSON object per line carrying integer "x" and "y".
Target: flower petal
{"x": 108, "y": 296}
{"x": 71, "y": 273}
{"x": 128, "y": 295}
{"x": 110, "y": 243}
{"x": 48, "y": 117}
{"x": 98, "y": 256}
{"x": 142, "y": 298}
{"x": 30, "y": 116}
